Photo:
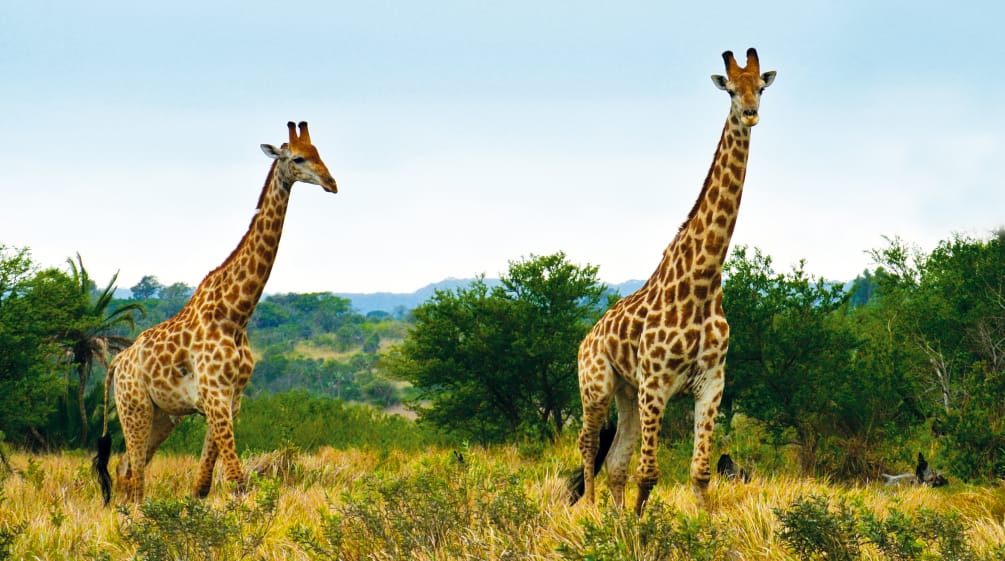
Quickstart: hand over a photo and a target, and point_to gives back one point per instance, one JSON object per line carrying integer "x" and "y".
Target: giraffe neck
{"x": 231, "y": 291}
{"x": 703, "y": 240}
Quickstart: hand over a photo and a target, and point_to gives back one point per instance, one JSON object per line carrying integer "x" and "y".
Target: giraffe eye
{"x": 299, "y": 160}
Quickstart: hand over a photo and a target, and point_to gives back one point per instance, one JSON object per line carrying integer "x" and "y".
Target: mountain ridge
{"x": 396, "y": 302}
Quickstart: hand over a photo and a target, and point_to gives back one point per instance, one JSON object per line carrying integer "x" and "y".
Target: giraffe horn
{"x": 731, "y": 65}
{"x": 305, "y": 135}
{"x": 753, "y": 63}
{"x": 293, "y": 132}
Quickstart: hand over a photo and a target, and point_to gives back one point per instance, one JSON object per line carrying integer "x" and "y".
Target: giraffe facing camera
{"x": 199, "y": 360}
{"x": 670, "y": 336}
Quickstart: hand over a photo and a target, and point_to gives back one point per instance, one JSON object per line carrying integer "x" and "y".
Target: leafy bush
{"x": 189, "y": 528}
{"x": 306, "y": 422}
{"x": 894, "y": 537}
{"x": 661, "y": 535}
{"x": 812, "y": 531}
{"x": 456, "y": 508}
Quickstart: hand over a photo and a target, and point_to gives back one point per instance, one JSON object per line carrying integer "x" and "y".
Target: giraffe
{"x": 199, "y": 361}
{"x": 671, "y": 335}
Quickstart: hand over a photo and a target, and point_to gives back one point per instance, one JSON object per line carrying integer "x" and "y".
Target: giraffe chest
{"x": 667, "y": 340}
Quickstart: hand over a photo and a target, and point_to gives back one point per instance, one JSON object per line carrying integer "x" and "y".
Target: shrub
{"x": 189, "y": 528}
{"x": 812, "y": 531}
{"x": 448, "y": 509}
{"x": 661, "y": 535}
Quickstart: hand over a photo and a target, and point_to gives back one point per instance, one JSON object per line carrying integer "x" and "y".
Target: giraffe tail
{"x": 575, "y": 482}
{"x": 100, "y": 461}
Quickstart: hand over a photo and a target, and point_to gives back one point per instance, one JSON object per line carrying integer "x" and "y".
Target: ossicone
{"x": 730, "y": 61}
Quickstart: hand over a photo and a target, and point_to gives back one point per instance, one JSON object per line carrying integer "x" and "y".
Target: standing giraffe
{"x": 671, "y": 335}
{"x": 199, "y": 361}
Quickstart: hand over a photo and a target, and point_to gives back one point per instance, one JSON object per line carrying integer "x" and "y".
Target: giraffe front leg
{"x": 651, "y": 407}
{"x": 207, "y": 463}
{"x": 221, "y": 428}
{"x": 706, "y": 407}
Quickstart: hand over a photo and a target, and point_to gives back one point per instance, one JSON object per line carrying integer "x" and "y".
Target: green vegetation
{"x": 492, "y": 365}
{"x": 478, "y": 503}
{"x": 841, "y": 380}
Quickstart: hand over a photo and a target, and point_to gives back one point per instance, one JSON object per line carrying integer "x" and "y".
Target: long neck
{"x": 713, "y": 217}
{"x": 702, "y": 242}
{"x": 231, "y": 291}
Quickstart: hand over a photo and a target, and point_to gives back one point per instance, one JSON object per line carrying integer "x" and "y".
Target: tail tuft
{"x": 576, "y": 481}
{"x": 100, "y": 464}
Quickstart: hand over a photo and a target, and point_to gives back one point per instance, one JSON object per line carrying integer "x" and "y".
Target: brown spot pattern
{"x": 199, "y": 360}
{"x": 671, "y": 335}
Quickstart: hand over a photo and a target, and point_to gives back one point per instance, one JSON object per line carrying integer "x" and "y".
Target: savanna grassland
{"x": 495, "y": 503}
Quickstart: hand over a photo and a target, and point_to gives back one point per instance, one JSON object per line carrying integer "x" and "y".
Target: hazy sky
{"x": 467, "y": 134}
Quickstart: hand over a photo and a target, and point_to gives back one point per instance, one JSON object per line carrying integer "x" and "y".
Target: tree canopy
{"x": 493, "y": 364}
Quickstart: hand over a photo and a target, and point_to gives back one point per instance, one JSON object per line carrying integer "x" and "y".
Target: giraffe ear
{"x": 719, "y": 81}
{"x": 271, "y": 151}
{"x": 768, "y": 78}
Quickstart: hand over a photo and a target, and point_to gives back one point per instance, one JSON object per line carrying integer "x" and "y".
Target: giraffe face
{"x": 745, "y": 85}
{"x": 299, "y": 160}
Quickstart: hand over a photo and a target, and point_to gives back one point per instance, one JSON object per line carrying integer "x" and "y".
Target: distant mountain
{"x": 391, "y": 302}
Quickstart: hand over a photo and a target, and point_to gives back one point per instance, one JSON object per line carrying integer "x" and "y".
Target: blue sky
{"x": 464, "y": 135}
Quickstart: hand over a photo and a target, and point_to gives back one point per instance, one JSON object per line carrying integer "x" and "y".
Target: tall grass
{"x": 502, "y": 503}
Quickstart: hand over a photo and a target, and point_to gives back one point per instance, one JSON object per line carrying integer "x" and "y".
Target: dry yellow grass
{"x": 57, "y": 498}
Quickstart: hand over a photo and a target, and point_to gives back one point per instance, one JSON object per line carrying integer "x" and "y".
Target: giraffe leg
{"x": 595, "y": 388}
{"x": 589, "y": 443}
{"x": 136, "y": 414}
{"x": 651, "y": 407}
{"x": 625, "y": 441}
{"x": 219, "y": 442}
{"x": 706, "y": 407}
{"x": 160, "y": 429}
{"x": 204, "y": 480}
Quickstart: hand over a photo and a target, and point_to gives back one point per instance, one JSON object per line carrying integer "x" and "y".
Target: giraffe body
{"x": 199, "y": 361}
{"x": 671, "y": 336}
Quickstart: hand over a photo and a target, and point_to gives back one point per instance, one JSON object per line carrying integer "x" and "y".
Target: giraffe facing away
{"x": 671, "y": 335}
{"x": 199, "y": 361}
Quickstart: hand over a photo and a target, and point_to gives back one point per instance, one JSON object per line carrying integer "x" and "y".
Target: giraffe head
{"x": 298, "y": 159}
{"x": 744, "y": 85}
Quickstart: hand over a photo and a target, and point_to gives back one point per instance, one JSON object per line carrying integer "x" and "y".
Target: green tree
{"x": 33, "y": 305}
{"x": 554, "y": 304}
{"x": 787, "y": 344}
{"x": 948, "y": 309}
{"x": 177, "y": 291}
{"x": 91, "y": 337}
{"x": 487, "y": 364}
{"x": 147, "y": 288}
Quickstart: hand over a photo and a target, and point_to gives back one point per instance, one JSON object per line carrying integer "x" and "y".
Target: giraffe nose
{"x": 749, "y": 117}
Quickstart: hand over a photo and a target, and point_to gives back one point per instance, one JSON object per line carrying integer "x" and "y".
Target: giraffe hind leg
{"x": 136, "y": 429}
{"x": 624, "y": 444}
{"x": 596, "y": 383}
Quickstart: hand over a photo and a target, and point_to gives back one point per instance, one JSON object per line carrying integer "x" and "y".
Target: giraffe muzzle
{"x": 749, "y": 117}
{"x": 328, "y": 184}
